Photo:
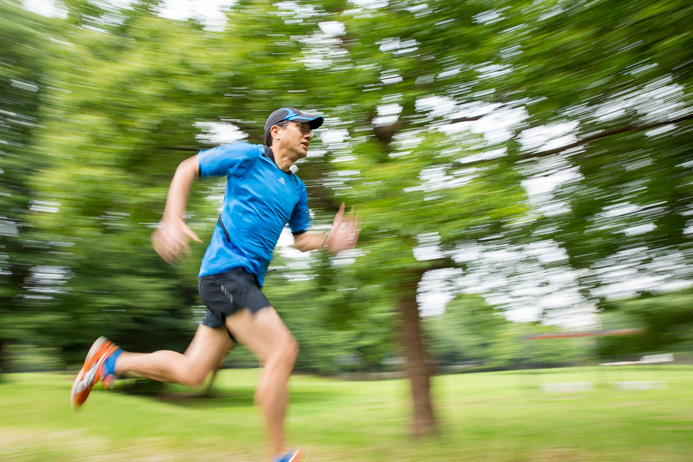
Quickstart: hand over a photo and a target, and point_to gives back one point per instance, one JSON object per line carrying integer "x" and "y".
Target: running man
{"x": 262, "y": 196}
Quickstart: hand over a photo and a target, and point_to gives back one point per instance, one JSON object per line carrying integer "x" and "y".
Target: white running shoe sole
{"x": 85, "y": 378}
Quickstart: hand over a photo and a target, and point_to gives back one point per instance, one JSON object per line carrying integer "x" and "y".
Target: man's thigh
{"x": 208, "y": 347}
{"x": 263, "y": 331}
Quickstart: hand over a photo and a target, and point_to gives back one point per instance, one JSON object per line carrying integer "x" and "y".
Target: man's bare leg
{"x": 267, "y": 337}
{"x": 207, "y": 349}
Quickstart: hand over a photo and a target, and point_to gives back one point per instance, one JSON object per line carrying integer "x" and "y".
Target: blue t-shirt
{"x": 260, "y": 200}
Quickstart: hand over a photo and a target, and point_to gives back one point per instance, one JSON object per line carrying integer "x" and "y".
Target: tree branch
{"x": 467, "y": 119}
{"x": 613, "y": 131}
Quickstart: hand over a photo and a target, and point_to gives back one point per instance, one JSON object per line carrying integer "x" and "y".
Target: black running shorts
{"x": 227, "y": 293}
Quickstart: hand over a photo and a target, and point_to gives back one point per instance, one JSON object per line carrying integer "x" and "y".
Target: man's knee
{"x": 287, "y": 350}
{"x": 194, "y": 376}
{"x": 292, "y": 349}
{"x": 196, "y": 380}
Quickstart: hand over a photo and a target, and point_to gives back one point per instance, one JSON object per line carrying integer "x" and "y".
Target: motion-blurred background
{"x": 521, "y": 167}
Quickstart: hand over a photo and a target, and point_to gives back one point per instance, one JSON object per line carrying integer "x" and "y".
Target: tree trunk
{"x": 417, "y": 366}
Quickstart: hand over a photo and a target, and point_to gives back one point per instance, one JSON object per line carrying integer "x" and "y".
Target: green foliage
{"x": 341, "y": 326}
{"x": 115, "y": 113}
{"x": 666, "y": 320}
{"x": 98, "y": 109}
{"x": 23, "y": 59}
{"x": 610, "y": 69}
{"x": 472, "y": 333}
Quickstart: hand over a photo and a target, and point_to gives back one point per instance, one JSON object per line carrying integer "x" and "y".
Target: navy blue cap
{"x": 294, "y": 115}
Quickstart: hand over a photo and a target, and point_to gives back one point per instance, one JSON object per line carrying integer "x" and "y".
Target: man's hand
{"x": 345, "y": 231}
{"x": 170, "y": 240}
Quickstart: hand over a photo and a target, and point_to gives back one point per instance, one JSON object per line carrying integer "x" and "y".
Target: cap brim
{"x": 315, "y": 122}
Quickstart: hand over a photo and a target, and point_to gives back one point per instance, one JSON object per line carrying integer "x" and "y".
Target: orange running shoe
{"x": 92, "y": 371}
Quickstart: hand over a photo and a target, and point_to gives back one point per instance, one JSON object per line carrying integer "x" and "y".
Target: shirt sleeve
{"x": 227, "y": 160}
{"x": 300, "y": 220}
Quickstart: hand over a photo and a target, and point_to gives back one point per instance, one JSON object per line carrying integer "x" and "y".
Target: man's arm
{"x": 170, "y": 239}
{"x": 343, "y": 235}
{"x": 309, "y": 241}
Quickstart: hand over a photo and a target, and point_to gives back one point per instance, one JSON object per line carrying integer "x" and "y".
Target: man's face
{"x": 295, "y": 138}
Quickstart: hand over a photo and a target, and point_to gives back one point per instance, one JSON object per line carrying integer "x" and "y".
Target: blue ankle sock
{"x": 109, "y": 364}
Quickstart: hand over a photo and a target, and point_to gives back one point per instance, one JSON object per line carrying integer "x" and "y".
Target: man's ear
{"x": 274, "y": 131}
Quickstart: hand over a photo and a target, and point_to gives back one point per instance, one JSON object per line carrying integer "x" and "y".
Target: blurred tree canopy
{"x": 24, "y": 38}
{"x": 492, "y": 125}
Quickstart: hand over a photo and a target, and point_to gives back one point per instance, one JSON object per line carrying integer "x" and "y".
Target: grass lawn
{"x": 501, "y": 416}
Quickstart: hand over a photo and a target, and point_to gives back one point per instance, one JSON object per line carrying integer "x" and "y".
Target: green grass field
{"x": 502, "y": 416}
